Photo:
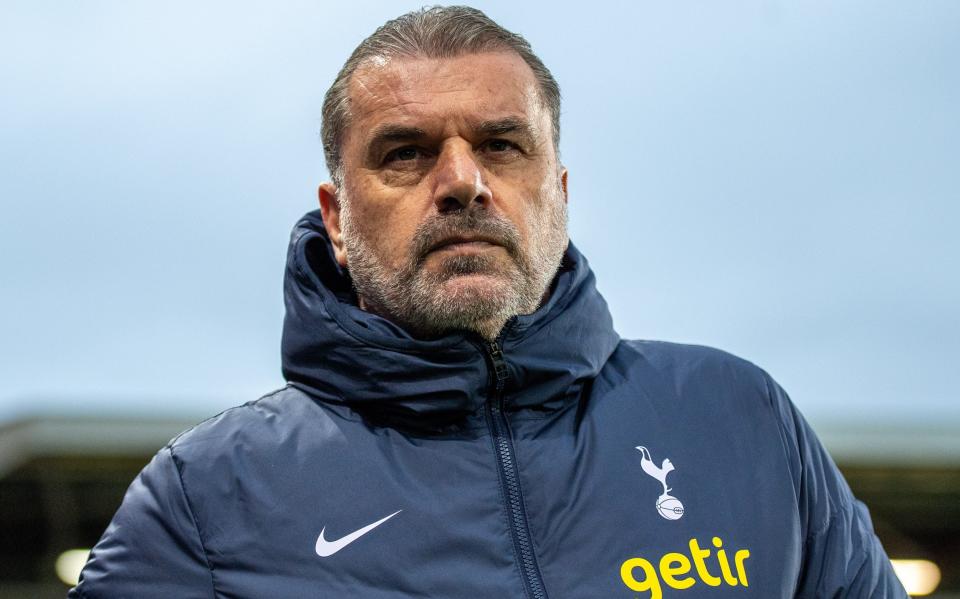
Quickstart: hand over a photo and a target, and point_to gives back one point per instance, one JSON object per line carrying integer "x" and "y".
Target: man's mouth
{"x": 466, "y": 243}
{"x": 465, "y": 237}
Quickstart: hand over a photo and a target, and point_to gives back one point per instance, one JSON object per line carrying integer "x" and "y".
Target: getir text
{"x": 677, "y": 572}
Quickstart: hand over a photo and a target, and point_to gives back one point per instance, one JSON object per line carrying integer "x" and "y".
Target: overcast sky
{"x": 778, "y": 179}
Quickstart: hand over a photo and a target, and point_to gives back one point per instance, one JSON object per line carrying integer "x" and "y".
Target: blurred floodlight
{"x": 918, "y": 576}
{"x": 69, "y": 565}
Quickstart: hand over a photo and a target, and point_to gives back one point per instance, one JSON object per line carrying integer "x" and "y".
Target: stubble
{"x": 429, "y": 302}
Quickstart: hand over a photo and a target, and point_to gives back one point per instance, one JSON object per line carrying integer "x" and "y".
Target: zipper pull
{"x": 499, "y": 364}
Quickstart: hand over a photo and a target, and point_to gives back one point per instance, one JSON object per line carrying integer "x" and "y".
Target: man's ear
{"x": 563, "y": 182}
{"x": 330, "y": 209}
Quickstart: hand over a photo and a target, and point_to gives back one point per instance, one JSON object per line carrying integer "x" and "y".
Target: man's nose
{"x": 460, "y": 183}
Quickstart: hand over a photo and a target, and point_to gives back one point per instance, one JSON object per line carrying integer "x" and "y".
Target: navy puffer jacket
{"x": 559, "y": 461}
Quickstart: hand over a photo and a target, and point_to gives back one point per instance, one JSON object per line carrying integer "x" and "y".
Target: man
{"x": 461, "y": 420}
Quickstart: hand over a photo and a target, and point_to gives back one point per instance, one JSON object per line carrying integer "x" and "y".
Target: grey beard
{"x": 416, "y": 299}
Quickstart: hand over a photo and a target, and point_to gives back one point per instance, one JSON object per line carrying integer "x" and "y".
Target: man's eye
{"x": 404, "y": 154}
{"x": 499, "y": 145}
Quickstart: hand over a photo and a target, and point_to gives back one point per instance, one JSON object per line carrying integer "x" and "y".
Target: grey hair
{"x": 431, "y": 32}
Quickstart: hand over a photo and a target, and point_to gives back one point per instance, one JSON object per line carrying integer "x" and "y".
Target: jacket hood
{"x": 339, "y": 353}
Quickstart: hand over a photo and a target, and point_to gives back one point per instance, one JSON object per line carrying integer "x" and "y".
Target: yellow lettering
{"x": 740, "y": 557}
{"x": 676, "y": 570}
{"x": 673, "y": 564}
{"x": 698, "y": 555}
{"x": 650, "y": 581}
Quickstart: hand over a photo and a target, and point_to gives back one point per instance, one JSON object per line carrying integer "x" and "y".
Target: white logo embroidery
{"x": 668, "y": 506}
{"x": 327, "y": 548}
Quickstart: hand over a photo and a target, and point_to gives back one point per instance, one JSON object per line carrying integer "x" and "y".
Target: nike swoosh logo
{"x": 327, "y": 548}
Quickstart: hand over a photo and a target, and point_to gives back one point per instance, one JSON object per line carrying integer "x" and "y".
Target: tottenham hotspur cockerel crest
{"x": 667, "y": 505}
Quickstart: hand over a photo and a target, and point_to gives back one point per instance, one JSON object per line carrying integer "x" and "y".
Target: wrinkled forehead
{"x": 438, "y": 93}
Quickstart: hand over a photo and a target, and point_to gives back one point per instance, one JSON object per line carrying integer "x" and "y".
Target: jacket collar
{"x": 338, "y": 353}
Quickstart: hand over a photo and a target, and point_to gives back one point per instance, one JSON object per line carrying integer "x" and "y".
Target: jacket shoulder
{"x": 680, "y": 360}
{"x": 266, "y": 421}
{"x": 703, "y": 380}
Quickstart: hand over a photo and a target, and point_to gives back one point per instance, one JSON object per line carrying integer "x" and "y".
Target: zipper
{"x": 509, "y": 476}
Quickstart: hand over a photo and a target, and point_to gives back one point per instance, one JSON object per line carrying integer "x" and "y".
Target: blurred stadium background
{"x": 780, "y": 180}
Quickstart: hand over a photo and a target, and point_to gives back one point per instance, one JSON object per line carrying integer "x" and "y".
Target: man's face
{"x": 452, "y": 212}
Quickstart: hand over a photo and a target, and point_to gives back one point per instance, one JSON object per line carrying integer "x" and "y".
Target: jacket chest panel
{"x": 367, "y": 517}
{"x": 627, "y": 502}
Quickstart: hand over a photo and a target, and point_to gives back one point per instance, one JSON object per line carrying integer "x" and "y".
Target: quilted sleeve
{"x": 152, "y": 547}
{"x": 842, "y": 557}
